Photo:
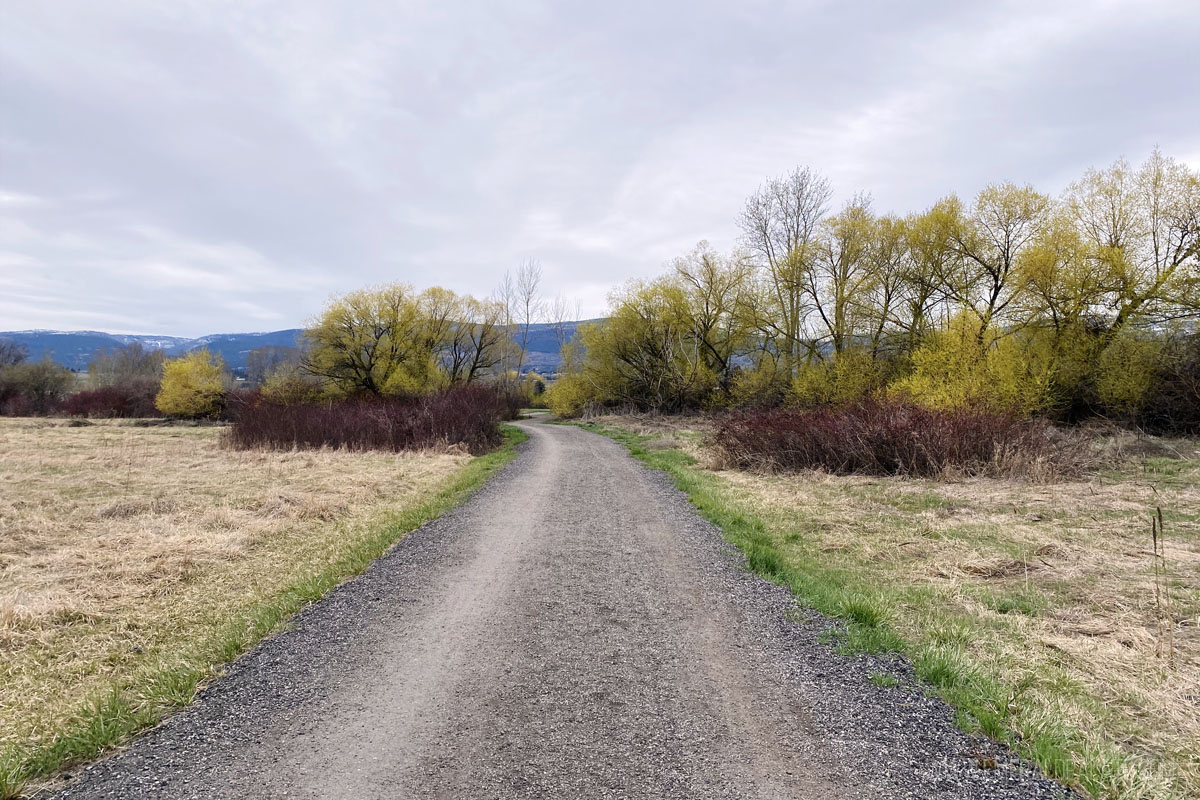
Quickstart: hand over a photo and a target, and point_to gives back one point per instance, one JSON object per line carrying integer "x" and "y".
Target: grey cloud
{"x": 193, "y": 167}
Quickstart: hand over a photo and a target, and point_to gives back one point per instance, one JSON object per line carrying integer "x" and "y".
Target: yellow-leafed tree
{"x": 192, "y": 386}
{"x": 378, "y": 341}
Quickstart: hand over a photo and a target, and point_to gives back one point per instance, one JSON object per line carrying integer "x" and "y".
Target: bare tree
{"x": 12, "y": 353}
{"x": 528, "y": 304}
{"x": 263, "y": 362}
{"x": 505, "y": 297}
{"x": 780, "y": 225}
{"x": 127, "y": 365}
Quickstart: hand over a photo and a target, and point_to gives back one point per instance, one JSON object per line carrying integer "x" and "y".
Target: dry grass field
{"x": 1043, "y": 600}
{"x": 127, "y": 552}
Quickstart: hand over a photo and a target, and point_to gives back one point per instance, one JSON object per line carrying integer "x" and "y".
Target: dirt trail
{"x": 572, "y": 631}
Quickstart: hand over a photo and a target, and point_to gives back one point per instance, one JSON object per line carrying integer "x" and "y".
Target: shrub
{"x": 1126, "y": 374}
{"x": 33, "y": 387}
{"x": 291, "y": 385}
{"x": 461, "y": 415}
{"x": 133, "y": 400}
{"x": 886, "y": 438}
{"x": 964, "y": 366}
{"x": 851, "y": 376}
{"x": 568, "y": 396}
{"x": 192, "y": 386}
{"x": 1175, "y": 405}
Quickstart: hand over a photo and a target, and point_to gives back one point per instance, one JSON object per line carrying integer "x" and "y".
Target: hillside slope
{"x": 75, "y": 349}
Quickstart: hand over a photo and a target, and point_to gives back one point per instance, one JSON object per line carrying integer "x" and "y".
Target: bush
{"x": 850, "y": 377}
{"x": 461, "y": 415}
{"x": 1126, "y": 374}
{"x": 134, "y": 400}
{"x": 886, "y": 438}
{"x": 192, "y": 386}
{"x": 963, "y": 367}
{"x": 291, "y": 386}
{"x": 33, "y": 387}
{"x": 568, "y": 396}
{"x": 1174, "y": 405}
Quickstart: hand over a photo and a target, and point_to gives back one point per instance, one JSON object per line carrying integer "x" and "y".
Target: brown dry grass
{"x": 1047, "y": 584}
{"x": 120, "y": 544}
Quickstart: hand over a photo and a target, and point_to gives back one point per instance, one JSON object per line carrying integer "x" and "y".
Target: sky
{"x": 191, "y": 167}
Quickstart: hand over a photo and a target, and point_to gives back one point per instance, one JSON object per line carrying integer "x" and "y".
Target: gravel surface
{"x": 574, "y": 630}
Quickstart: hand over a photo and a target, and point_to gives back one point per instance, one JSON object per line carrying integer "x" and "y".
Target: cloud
{"x": 193, "y": 167}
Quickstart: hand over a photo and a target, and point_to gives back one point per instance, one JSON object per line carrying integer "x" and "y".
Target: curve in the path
{"x": 574, "y": 630}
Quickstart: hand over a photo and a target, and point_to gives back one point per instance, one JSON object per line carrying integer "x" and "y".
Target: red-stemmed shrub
{"x": 461, "y": 415}
{"x": 880, "y": 437}
{"x": 136, "y": 400}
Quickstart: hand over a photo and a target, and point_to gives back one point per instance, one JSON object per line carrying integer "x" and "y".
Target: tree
{"x": 192, "y": 386}
{"x": 841, "y": 276}
{"x": 780, "y": 225}
{"x": 373, "y": 341}
{"x": 561, "y": 314}
{"x": 480, "y": 340}
{"x": 989, "y": 240}
{"x": 127, "y": 365}
{"x": 263, "y": 362}
{"x": 889, "y": 289}
{"x": 12, "y": 353}
{"x": 714, "y": 289}
{"x": 1143, "y": 233}
{"x": 645, "y": 353}
{"x": 38, "y": 386}
{"x": 528, "y": 304}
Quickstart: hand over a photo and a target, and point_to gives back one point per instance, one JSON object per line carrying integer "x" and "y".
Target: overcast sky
{"x": 197, "y": 167}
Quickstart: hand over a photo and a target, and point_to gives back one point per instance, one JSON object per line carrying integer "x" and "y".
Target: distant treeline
{"x": 1068, "y": 307}
{"x": 383, "y": 342}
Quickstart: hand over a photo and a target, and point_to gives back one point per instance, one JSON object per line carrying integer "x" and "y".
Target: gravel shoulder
{"x": 574, "y": 630}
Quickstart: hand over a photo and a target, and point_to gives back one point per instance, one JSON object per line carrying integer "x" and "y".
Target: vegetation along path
{"x": 575, "y": 630}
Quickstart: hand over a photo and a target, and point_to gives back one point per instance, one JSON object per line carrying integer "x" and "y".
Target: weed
{"x": 1162, "y": 592}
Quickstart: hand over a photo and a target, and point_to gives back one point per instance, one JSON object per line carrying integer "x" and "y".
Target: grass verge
{"x": 1030, "y": 620}
{"x": 133, "y": 702}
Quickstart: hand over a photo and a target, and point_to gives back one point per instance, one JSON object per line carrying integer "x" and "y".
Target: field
{"x": 1039, "y": 608}
{"x": 135, "y": 560}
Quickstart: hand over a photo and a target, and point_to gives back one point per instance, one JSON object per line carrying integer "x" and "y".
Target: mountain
{"x": 542, "y": 349}
{"x": 75, "y": 349}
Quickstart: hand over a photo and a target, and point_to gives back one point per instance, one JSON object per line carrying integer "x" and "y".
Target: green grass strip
{"x": 142, "y": 700}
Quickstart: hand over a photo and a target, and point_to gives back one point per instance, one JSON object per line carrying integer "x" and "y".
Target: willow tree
{"x": 1142, "y": 229}
{"x": 988, "y": 240}
{"x": 373, "y": 341}
{"x": 715, "y": 291}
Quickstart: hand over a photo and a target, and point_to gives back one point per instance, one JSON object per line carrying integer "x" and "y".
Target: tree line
{"x": 1069, "y": 306}
{"x": 386, "y": 341}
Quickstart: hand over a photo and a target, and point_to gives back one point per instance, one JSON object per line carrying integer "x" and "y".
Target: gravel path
{"x": 574, "y": 630}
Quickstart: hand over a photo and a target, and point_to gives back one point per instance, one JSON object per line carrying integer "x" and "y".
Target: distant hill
{"x": 542, "y": 350}
{"x": 75, "y": 349}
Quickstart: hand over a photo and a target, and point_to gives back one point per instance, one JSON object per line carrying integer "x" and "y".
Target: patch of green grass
{"x": 140, "y": 701}
{"x": 1026, "y": 601}
{"x": 884, "y": 681}
{"x": 866, "y": 610}
{"x": 941, "y": 666}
